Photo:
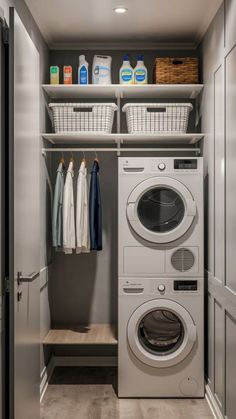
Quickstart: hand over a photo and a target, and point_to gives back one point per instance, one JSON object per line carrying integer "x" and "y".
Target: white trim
{"x": 44, "y": 269}
{"x": 85, "y": 361}
{"x": 213, "y": 403}
{"x": 94, "y": 46}
{"x": 1, "y": 13}
{"x": 45, "y": 376}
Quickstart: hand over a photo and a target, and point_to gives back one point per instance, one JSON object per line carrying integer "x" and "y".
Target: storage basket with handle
{"x": 157, "y": 117}
{"x": 83, "y": 117}
{"x": 176, "y": 70}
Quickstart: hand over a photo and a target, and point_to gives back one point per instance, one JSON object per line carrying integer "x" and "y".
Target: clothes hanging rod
{"x": 58, "y": 150}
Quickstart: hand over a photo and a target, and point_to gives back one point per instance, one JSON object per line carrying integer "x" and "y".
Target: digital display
{"x": 185, "y": 164}
{"x": 185, "y": 285}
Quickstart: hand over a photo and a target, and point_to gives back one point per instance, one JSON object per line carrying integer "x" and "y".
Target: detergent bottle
{"x": 126, "y": 71}
{"x": 83, "y": 70}
{"x": 140, "y": 72}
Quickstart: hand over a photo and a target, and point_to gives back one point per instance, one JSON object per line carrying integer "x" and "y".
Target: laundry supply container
{"x": 83, "y": 117}
{"x": 176, "y": 70}
{"x": 151, "y": 118}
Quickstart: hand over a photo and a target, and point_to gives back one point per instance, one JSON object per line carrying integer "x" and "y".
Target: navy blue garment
{"x": 95, "y": 209}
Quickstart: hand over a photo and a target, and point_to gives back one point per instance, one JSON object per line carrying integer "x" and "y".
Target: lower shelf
{"x": 94, "y": 334}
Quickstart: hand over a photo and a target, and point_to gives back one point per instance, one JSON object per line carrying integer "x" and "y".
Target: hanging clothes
{"x": 69, "y": 212}
{"x": 95, "y": 209}
{"x": 82, "y": 219}
{"x": 57, "y": 208}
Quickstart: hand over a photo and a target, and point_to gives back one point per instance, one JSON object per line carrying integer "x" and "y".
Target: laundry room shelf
{"x": 140, "y": 139}
{"x": 94, "y": 334}
{"x": 113, "y": 91}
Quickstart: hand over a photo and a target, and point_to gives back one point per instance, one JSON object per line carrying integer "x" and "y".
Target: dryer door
{"x": 160, "y": 209}
{"x": 161, "y": 333}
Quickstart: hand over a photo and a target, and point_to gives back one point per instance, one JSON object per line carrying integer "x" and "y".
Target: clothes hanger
{"x": 84, "y": 158}
{"x": 96, "y": 156}
{"x": 62, "y": 160}
{"x": 72, "y": 158}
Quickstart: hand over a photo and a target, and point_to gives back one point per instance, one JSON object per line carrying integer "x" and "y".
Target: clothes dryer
{"x": 161, "y": 217}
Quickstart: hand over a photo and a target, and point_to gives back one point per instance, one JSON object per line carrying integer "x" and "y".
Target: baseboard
{"x": 213, "y": 403}
{"x": 85, "y": 361}
{"x": 45, "y": 377}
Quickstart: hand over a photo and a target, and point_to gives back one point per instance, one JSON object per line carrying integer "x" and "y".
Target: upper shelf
{"x": 91, "y": 138}
{"x": 90, "y": 91}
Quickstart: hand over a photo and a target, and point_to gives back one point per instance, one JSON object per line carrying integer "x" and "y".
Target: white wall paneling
{"x": 230, "y": 111}
{"x": 219, "y": 122}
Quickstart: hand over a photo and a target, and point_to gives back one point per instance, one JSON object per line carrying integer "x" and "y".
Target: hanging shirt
{"x": 95, "y": 209}
{"x": 69, "y": 212}
{"x": 82, "y": 220}
{"x": 57, "y": 208}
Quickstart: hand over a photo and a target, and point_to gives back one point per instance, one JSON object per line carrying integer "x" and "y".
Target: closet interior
{"x": 83, "y": 288}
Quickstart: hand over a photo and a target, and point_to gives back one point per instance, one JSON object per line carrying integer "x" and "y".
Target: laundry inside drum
{"x": 161, "y": 332}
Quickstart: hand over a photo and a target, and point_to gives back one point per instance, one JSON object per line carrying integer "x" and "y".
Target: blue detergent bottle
{"x": 82, "y": 70}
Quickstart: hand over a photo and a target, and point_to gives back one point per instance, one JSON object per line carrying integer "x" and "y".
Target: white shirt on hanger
{"x": 82, "y": 217}
{"x": 69, "y": 212}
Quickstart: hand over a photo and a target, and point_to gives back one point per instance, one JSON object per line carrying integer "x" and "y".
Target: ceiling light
{"x": 120, "y": 9}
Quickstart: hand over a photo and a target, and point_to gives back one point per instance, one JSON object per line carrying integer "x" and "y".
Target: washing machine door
{"x": 161, "y": 333}
{"x": 161, "y": 209}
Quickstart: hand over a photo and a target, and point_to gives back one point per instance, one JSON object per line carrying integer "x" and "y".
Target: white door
{"x": 161, "y": 209}
{"x": 161, "y": 333}
{"x": 24, "y": 221}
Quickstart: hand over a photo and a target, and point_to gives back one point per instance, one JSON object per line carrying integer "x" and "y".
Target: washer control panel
{"x": 180, "y": 285}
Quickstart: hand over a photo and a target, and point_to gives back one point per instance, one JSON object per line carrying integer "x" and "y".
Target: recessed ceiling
{"x": 154, "y": 22}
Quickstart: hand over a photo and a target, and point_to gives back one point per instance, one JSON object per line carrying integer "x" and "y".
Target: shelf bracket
{"x": 118, "y": 143}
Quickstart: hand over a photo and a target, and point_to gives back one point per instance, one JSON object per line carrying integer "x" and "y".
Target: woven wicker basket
{"x": 176, "y": 70}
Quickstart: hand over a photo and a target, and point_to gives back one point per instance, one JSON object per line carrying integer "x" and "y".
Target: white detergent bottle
{"x": 140, "y": 72}
{"x": 126, "y": 71}
{"x": 82, "y": 70}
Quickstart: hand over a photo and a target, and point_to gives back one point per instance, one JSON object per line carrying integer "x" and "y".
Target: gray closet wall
{"x": 219, "y": 122}
{"x": 38, "y": 40}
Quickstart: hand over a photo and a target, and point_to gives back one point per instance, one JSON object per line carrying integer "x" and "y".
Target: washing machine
{"x": 160, "y": 335}
{"x": 161, "y": 217}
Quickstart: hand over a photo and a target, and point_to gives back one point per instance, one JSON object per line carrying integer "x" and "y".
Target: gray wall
{"x": 36, "y": 36}
{"x": 219, "y": 122}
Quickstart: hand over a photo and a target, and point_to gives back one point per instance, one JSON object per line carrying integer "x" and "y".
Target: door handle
{"x": 30, "y": 278}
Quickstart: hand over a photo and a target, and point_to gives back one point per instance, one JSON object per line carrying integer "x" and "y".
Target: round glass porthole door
{"x": 160, "y": 210}
{"x": 161, "y": 333}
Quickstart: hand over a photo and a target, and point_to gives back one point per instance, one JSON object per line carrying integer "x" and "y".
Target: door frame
{"x": 11, "y": 215}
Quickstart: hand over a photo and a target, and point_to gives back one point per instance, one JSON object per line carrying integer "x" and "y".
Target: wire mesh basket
{"x": 157, "y": 117}
{"x": 83, "y": 117}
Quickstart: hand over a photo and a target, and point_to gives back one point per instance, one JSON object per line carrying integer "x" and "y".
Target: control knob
{"x": 161, "y": 288}
{"x": 161, "y": 166}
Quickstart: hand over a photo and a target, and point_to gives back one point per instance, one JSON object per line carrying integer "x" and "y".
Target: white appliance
{"x": 161, "y": 217}
{"x": 160, "y": 352}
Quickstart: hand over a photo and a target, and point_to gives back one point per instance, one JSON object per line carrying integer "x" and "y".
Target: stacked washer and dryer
{"x": 161, "y": 268}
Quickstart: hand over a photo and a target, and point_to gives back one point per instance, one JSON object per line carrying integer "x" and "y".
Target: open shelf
{"x": 101, "y": 139}
{"x": 94, "y": 334}
{"x": 113, "y": 91}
